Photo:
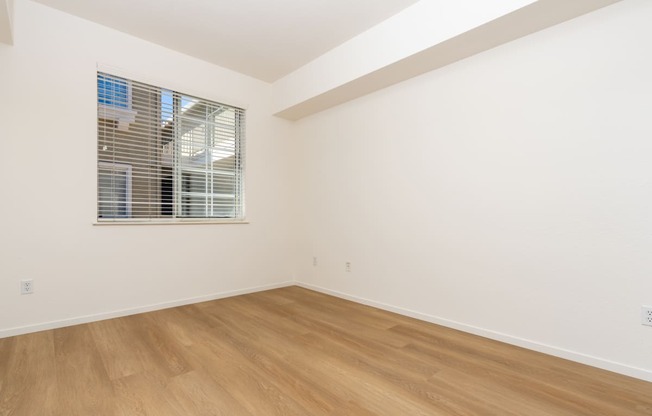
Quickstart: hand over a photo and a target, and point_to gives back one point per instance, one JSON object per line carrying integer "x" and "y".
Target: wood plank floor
{"x": 292, "y": 351}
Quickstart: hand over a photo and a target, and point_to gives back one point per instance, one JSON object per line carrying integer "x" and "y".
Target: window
{"x": 166, "y": 156}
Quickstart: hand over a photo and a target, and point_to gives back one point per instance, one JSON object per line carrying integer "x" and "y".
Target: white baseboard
{"x": 10, "y": 332}
{"x": 531, "y": 345}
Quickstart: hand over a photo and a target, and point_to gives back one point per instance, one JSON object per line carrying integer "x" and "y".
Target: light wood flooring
{"x": 294, "y": 352}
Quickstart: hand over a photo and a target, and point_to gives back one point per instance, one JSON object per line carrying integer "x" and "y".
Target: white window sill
{"x": 170, "y": 222}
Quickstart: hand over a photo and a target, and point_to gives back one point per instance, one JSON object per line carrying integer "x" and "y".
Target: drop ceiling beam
{"x": 422, "y": 38}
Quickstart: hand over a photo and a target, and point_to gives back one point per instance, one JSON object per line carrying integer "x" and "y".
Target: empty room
{"x": 325, "y": 207}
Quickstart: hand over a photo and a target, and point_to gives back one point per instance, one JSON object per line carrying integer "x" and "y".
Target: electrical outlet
{"x": 314, "y": 261}
{"x": 26, "y": 287}
{"x": 347, "y": 266}
{"x": 646, "y": 315}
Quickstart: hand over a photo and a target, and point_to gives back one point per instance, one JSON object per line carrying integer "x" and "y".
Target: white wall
{"x": 48, "y": 194}
{"x": 509, "y": 194}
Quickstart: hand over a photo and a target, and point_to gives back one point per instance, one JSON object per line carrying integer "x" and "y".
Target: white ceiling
{"x": 265, "y": 39}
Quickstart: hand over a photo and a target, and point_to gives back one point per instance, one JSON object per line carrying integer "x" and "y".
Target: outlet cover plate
{"x": 26, "y": 287}
{"x": 646, "y": 315}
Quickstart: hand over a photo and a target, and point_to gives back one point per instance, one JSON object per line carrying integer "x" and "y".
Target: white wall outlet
{"x": 314, "y": 261}
{"x": 347, "y": 266}
{"x": 646, "y": 315}
{"x": 26, "y": 287}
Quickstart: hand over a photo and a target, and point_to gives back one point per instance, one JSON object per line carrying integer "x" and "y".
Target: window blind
{"x": 165, "y": 155}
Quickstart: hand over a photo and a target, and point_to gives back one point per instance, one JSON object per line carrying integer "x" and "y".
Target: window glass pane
{"x": 113, "y": 194}
{"x": 112, "y": 91}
